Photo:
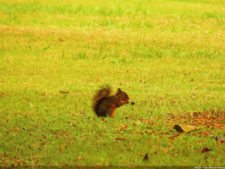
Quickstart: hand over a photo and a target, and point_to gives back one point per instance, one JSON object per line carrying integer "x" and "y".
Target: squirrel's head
{"x": 122, "y": 96}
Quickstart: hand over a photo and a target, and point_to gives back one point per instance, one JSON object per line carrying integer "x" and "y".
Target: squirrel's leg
{"x": 113, "y": 112}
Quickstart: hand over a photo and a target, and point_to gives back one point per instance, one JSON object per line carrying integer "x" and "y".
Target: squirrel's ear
{"x": 119, "y": 90}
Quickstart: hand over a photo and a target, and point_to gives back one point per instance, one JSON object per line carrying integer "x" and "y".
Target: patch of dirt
{"x": 212, "y": 119}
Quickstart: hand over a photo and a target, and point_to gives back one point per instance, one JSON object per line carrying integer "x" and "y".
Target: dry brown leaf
{"x": 63, "y": 92}
{"x": 205, "y": 150}
{"x": 184, "y": 128}
{"x": 146, "y": 157}
{"x": 121, "y": 139}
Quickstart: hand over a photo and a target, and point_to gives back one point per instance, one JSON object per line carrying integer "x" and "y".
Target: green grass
{"x": 168, "y": 55}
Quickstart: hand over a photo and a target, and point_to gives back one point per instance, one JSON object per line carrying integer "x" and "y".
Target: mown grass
{"x": 168, "y": 55}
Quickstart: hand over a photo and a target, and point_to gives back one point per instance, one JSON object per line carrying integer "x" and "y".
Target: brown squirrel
{"x": 105, "y": 104}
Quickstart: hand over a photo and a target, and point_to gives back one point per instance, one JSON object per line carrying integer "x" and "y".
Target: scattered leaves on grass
{"x": 206, "y": 150}
{"x": 209, "y": 119}
{"x": 213, "y": 119}
{"x": 146, "y": 157}
{"x": 184, "y": 128}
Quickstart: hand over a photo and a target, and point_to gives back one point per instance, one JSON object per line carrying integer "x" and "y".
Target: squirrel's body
{"x": 105, "y": 104}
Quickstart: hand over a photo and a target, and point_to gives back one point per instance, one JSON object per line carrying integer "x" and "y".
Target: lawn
{"x": 168, "y": 55}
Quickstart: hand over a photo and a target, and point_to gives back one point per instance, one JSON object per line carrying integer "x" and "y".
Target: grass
{"x": 168, "y": 55}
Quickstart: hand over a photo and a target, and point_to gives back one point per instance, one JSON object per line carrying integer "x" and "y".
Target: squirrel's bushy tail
{"x": 100, "y": 94}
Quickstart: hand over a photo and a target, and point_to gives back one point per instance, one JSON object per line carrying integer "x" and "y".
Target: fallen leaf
{"x": 132, "y": 103}
{"x": 146, "y": 157}
{"x": 205, "y": 150}
{"x": 184, "y": 128}
{"x": 121, "y": 139}
{"x": 63, "y": 92}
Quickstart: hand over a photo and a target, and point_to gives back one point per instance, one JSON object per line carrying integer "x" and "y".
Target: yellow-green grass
{"x": 168, "y": 55}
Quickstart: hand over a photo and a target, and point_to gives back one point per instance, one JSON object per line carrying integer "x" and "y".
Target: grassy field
{"x": 168, "y": 55}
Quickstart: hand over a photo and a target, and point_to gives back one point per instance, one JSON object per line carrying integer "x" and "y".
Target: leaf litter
{"x": 209, "y": 119}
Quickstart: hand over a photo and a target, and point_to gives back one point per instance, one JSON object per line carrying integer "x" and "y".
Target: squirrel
{"x": 105, "y": 104}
